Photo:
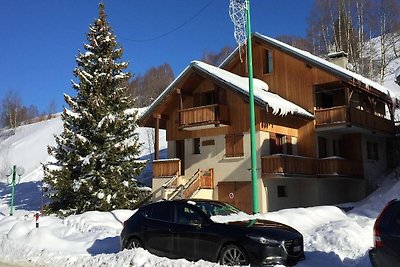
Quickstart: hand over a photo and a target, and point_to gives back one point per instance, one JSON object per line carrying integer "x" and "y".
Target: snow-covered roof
{"x": 344, "y": 73}
{"x": 279, "y": 105}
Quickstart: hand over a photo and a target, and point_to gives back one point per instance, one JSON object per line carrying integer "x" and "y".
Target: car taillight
{"x": 377, "y": 238}
{"x": 377, "y": 235}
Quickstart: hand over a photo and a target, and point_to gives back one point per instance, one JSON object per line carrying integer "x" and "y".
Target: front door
{"x": 237, "y": 194}
{"x": 180, "y": 154}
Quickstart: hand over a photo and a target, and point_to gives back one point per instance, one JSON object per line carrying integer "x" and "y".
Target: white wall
{"x": 374, "y": 169}
{"x": 309, "y": 191}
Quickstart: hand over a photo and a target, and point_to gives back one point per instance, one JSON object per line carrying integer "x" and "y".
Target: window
{"x": 372, "y": 150}
{"x": 156, "y": 213}
{"x": 234, "y": 145}
{"x": 208, "y": 98}
{"x": 289, "y": 149}
{"x": 335, "y": 148}
{"x": 268, "y": 62}
{"x": 282, "y": 191}
{"x": 322, "y": 147}
{"x": 187, "y": 216}
{"x": 196, "y": 146}
{"x": 276, "y": 143}
{"x": 204, "y": 98}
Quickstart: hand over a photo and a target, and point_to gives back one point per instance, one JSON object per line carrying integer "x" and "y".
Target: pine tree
{"x": 96, "y": 154}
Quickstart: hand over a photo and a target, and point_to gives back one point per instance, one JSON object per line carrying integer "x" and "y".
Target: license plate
{"x": 296, "y": 248}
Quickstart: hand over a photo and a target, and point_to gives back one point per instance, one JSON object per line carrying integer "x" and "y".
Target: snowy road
{"x": 19, "y": 264}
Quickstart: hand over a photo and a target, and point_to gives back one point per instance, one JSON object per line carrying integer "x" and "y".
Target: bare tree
{"x": 145, "y": 89}
{"x": 387, "y": 14}
{"x": 11, "y": 108}
{"x": 216, "y": 58}
{"x": 351, "y": 26}
{"x": 52, "y": 108}
{"x": 151, "y": 140}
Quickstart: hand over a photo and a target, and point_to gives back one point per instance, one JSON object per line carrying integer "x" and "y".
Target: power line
{"x": 170, "y": 31}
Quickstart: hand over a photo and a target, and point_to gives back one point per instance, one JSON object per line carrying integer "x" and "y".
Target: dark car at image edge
{"x": 184, "y": 229}
{"x": 386, "y": 250}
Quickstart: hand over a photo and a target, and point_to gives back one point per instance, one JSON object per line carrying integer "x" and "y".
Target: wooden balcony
{"x": 212, "y": 115}
{"x": 288, "y": 164}
{"x": 352, "y": 116}
{"x": 339, "y": 166}
{"x": 166, "y": 167}
{"x": 295, "y": 165}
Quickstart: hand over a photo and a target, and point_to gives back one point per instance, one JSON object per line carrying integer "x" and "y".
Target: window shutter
{"x": 239, "y": 145}
{"x": 234, "y": 145}
{"x": 229, "y": 145}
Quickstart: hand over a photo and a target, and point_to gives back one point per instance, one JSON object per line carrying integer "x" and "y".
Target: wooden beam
{"x": 157, "y": 116}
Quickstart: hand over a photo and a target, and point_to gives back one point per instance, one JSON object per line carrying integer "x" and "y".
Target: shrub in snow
{"x": 96, "y": 154}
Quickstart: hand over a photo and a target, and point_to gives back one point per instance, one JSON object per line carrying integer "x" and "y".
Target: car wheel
{"x": 233, "y": 255}
{"x": 134, "y": 243}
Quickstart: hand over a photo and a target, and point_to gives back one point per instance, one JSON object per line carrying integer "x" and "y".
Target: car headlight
{"x": 264, "y": 240}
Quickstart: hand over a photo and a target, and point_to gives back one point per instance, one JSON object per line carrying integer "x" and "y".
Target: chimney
{"x": 339, "y": 58}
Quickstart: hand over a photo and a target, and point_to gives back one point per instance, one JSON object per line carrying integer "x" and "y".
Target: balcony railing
{"x": 288, "y": 164}
{"x": 210, "y": 114}
{"x": 168, "y": 167}
{"x": 339, "y": 166}
{"x": 351, "y": 115}
{"x": 296, "y": 165}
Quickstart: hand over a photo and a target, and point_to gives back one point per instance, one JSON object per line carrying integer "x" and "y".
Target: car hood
{"x": 271, "y": 228}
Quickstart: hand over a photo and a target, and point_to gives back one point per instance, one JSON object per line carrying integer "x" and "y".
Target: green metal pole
{"x": 253, "y": 168}
{"x": 12, "y": 190}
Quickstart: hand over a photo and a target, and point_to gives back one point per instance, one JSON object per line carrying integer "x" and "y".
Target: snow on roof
{"x": 279, "y": 105}
{"x": 330, "y": 65}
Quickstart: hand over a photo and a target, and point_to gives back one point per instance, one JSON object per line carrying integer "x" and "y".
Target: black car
{"x": 184, "y": 229}
{"x": 386, "y": 251}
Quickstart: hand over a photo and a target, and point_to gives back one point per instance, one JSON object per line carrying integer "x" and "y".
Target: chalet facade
{"x": 321, "y": 130}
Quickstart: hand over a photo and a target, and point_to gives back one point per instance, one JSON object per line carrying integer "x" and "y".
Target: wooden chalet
{"x": 321, "y": 130}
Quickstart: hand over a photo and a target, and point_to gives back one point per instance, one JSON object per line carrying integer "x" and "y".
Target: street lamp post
{"x": 254, "y": 180}
{"x": 14, "y": 171}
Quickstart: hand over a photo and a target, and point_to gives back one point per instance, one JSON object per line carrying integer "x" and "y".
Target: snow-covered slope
{"x": 332, "y": 237}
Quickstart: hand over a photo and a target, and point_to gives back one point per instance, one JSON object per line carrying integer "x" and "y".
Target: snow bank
{"x": 331, "y": 236}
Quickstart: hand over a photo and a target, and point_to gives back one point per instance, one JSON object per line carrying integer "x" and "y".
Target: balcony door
{"x": 322, "y": 147}
{"x": 180, "y": 154}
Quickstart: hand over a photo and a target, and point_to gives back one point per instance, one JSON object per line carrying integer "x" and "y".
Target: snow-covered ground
{"x": 332, "y": 237}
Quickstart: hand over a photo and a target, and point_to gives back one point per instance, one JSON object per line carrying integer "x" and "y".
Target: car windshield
{"x": 216, "y": 208}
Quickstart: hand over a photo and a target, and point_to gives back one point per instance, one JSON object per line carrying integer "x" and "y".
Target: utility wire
{"x": 171, "y": 31}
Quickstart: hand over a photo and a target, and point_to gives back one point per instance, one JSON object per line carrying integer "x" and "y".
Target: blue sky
{"x": 40, "y": 39}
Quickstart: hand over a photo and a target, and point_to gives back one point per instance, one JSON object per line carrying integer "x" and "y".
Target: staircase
{"x": 201, "y": 180}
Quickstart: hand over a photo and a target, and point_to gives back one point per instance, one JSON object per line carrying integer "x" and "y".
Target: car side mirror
{"x": 196, "y": 223}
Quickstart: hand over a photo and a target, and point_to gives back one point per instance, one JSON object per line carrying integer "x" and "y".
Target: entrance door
{"x": 180, "y": 154}
{"x": 237, "y": 194}
{"x": 322, "y": 147}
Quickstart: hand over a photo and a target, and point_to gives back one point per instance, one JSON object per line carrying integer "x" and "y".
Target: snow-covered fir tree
{"x": 96, "y": 154}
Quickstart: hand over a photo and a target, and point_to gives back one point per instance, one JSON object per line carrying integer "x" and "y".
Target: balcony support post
{"x": 179, "y": 92}
{"x": 157, "y": 116}
{"x": 347, "y": 96}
